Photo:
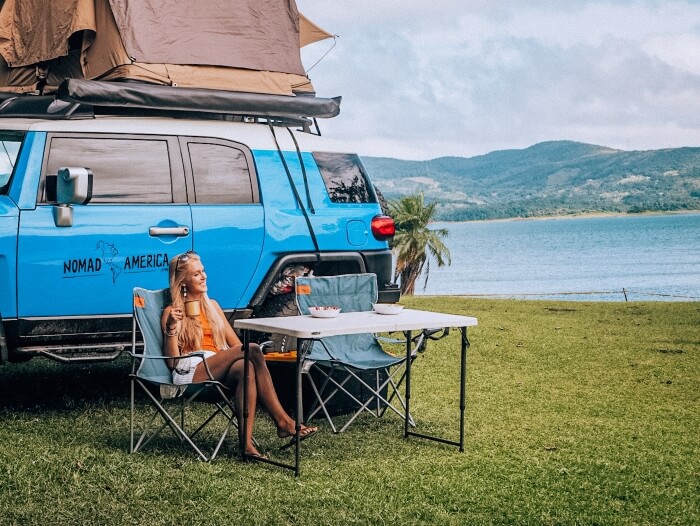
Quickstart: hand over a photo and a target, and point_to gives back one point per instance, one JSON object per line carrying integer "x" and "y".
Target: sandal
{"x": 253, "y": 457}
{"x": 305, "y": 433}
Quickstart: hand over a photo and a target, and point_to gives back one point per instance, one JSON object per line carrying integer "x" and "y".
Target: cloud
{"x": 424, "y": 79}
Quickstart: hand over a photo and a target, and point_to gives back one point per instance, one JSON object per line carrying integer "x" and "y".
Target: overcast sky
{"x": 427, "y": 78}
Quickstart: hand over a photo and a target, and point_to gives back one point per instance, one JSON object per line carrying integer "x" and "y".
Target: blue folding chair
{"x": 341, "y": 361}
{"x": 169, "y": 401}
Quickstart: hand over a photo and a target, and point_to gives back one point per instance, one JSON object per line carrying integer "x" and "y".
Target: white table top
{"x": 307, "y": 327}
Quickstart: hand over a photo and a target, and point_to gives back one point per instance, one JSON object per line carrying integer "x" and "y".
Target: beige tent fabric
{"x": 103, "y": 50}
{"x": 310, "y": 32}
{"x": 252, "y": 34}
{"x": 34, "y": 31}
{"x": 104, "y": 54}
{"x": 24, "y": 79}
{"x": 213, "y": 77}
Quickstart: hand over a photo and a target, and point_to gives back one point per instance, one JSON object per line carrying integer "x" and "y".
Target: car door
{"x": 227, "y": 215}
{"x": 137, "y": 220}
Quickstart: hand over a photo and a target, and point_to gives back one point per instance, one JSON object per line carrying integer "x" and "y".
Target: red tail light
{"x": 383, "y": 227}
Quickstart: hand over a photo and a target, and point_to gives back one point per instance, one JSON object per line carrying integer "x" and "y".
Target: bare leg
{"x": 227, "y": 368}
{"x": 224, "y": 368}
{"x": 235, "y": 376}
{"x": 268, "y": 396}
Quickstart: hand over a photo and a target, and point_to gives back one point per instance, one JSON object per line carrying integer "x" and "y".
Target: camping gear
{"x": 344, "y": 360}
{"x": 169, "y": 401}
{"x": 233, "y": 45}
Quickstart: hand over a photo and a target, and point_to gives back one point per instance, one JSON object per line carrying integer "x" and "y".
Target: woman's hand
{"x": 170, "y": 321}
{"x": 175, "y": 316}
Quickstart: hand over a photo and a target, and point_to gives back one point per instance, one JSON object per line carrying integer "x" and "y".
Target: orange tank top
{"x": 207, "y": 335}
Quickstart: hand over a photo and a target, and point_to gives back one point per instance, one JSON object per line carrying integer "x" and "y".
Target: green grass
{"x": 577, "y": 413}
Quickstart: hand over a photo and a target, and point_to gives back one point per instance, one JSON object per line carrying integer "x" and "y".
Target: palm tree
{"x": 414, "y": 241}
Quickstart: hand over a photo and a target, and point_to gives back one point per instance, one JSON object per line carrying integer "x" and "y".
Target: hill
{"x": 549, "y": 178}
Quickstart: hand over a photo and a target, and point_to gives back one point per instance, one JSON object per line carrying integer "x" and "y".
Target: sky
{"x": 422, "y": 79}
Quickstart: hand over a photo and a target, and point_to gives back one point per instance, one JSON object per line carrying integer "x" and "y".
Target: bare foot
{"x": 289, "y": 431}
{"x": 252, "y": 451}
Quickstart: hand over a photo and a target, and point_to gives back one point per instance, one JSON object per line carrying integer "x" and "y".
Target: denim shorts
{"x": 184, "y": 370}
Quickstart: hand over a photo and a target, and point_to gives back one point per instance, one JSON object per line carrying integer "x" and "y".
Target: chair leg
{"x": 318, "y": 403}
{"x": 131, "y": 420}
{"x": 321, "y": 406}
{"x": 173, "y": 425}
{"x": 376, "y": 383}
{"x": 395, "y": 393}
{"x": 339, "y": 386}
{"x": 144, "y": 439}
{"x": 221, "y": 440}
{"x": 380, "y": 398}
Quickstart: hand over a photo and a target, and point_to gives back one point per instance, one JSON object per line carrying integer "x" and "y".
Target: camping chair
{"x": 342, "y": 364}
{"x": 150, "y": 372}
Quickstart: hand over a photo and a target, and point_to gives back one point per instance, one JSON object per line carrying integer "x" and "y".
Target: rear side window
{"x": 124, "y": 170}
{"x": 221, "y": 174}
{"x": 10, "y": 141}
{"x": 344, "y": 176}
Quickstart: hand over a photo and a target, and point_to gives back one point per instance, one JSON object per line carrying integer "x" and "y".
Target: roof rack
{"x": 44, "y": 106}
{"x": 76, "y": 98}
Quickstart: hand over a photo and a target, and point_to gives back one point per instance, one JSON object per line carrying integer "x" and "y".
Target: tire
{"x": 282, "y": 305}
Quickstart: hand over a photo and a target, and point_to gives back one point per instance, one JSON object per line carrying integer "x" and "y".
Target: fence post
{"x": 624, "y": 291}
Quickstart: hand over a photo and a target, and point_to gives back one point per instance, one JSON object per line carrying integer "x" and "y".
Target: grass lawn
{"x": 577, "y": 413}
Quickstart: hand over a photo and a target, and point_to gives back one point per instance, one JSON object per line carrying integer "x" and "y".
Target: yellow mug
{"x": 192, "y": 308}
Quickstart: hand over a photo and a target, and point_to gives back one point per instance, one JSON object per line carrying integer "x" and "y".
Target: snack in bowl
{"x": 324, "y": 312}
{"x": 387, "y": 308}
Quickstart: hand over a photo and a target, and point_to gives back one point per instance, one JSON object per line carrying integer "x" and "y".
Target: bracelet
{"x": 174, "y": 332}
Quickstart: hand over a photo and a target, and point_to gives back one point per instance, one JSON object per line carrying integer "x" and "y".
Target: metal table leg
{"x": 462, "y": 393}
{"x": 463, "y": 386}
{"x": 244, "y": 421}
{"x": 301, "y": 349}
{"x": 408, "y": 384}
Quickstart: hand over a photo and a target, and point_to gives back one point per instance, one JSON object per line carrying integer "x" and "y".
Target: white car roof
{"x": 253, "y": 135}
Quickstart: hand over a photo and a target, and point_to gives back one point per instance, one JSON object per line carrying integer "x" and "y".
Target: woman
{"x": 210, "y": 332}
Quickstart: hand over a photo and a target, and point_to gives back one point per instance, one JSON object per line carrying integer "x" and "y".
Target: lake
{"x": 652, "y": 257}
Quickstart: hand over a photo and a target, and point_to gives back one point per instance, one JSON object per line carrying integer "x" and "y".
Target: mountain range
{"x": 547, "y": 179}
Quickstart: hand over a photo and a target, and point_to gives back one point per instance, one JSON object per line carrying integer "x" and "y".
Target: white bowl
{"x": 324, "y": 312}
{"x": 387, "y": 308}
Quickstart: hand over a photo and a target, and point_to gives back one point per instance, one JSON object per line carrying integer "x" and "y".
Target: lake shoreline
{"x": 648, "y": 255}
{"x": 587, "y": 215}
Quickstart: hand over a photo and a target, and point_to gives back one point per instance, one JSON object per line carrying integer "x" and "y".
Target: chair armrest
{"x": 142, "y": 356}
{"x": 420, "y": 341}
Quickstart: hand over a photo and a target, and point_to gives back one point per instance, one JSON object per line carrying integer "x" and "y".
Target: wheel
{"x": 16, "y": 357}
{"x": 282, "y": 305}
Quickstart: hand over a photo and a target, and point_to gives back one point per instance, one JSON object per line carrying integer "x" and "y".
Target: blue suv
{"x": 94, "y": 202}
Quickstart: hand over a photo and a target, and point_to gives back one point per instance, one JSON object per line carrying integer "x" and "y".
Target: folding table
{"x": 307, "y": 329}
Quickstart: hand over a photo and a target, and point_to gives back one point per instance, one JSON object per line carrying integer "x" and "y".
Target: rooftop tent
{"x": 233, "y": 45}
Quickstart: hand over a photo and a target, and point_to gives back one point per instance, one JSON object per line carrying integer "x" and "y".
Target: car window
{"x": 221, "y": 174}
{"x": 10, "y": 141}
{"x": 124, "y": 170}
{"x": 344, "y": 177}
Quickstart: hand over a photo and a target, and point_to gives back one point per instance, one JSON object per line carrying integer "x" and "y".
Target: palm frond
{"x": 415, "y": 241}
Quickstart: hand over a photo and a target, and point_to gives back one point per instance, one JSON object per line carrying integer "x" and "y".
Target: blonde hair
{"x": 190, "y": 337}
